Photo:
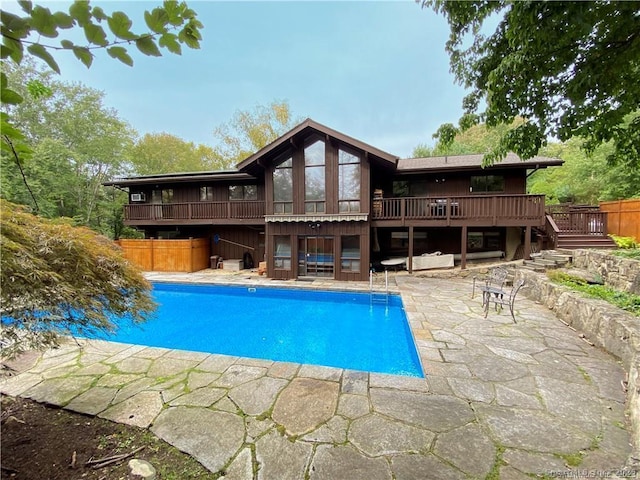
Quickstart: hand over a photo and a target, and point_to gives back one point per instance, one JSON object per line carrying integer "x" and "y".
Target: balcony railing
{"x": 485, "y": 208}
{"x": 194, "y": 211}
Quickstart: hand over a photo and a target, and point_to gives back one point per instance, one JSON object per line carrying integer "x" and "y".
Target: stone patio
{"x": 501, "y": 399}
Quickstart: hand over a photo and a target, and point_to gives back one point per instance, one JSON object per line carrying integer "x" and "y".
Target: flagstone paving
{"x": 501, "y": 399}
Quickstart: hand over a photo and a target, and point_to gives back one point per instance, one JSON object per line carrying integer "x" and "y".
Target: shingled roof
{"x": 471, "y": 162}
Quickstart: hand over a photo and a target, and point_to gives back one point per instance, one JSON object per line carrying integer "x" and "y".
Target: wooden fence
{"x": 153, "y": 255}
{"x": 623, "y": 217}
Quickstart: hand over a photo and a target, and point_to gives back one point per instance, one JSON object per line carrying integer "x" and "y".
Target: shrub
{"x": 60, "y": 279}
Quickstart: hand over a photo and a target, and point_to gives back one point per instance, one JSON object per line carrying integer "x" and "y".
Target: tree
{"x": 165, "y": 153}
{"x": 76, "y": 144}
{"x": 476, "y": 139}
{"x": 568, "y": 68}
{"x": 170, "y": 27}
{"x": 250, "y": 130}
{"x": 59, "y": 279}
{"x": 584, "y": 179}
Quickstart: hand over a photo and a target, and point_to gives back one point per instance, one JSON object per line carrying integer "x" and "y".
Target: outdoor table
{"x": 393, "y": 262}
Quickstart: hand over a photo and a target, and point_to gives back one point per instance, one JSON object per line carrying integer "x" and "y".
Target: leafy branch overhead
{"x": 169, "y": 27}
{"x": 37, "y": 33}
{"x": 570, "y": 69}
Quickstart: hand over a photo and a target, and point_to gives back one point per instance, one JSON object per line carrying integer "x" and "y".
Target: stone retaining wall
{"x": 608, "y": 327}
{"x": 617, "y": 272}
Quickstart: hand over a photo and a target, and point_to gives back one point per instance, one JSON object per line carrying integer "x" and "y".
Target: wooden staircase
{"x": 572, "y": 241}
{"x": 577, "y": 226}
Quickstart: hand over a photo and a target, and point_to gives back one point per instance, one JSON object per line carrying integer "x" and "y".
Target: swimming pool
{"x": 335, "y": 329}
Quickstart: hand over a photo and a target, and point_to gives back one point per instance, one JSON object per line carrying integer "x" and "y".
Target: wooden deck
{"x": 195, "y": 212}
{"x": 485, "y": 210}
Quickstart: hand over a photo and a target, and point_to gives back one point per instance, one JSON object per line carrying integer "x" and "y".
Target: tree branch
{"x": 95, "y": 47}
{"x": 24, "y": 177}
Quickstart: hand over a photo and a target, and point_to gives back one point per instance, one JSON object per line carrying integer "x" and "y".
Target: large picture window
{"x": 348, "y": 182}
{"x": 487, "y": 183}
{"x": 314, "y": 178}
{"x": 283, "y": 187}
{"x": 350, "y": 254}
{"x": 282, "y": 256}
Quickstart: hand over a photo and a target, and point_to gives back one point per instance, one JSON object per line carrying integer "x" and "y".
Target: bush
{"x": 624, "y": 242}
{"x": 60, "y": 279}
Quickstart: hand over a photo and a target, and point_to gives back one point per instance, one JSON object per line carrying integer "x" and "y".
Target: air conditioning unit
{"x": 138, "y": 197}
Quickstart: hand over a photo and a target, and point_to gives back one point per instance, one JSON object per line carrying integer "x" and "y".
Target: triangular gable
{"x": 280, "y": 144}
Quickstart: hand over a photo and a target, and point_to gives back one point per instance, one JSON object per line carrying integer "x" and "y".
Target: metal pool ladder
{"x": 379, "y": 297}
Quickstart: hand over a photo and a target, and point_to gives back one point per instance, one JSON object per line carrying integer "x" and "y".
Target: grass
{"x": 632, "y": 253}
{"x": 624, "y": 300}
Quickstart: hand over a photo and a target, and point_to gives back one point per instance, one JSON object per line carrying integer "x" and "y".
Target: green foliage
{"x": 477, "y": 138}
{"x": 570, "y": 69}
{"x": 59, "y": 279}
{"x": 631, "y": 253}
{"x": 169, "y": 26}
{"x": 75, "y": 144}
{"x": 250, "y": 130}
{"x": 625, "y": 242}
{"x": 156, "y": 153}
{"x": 626, "y": 301}
{"x": 584, "y": 178}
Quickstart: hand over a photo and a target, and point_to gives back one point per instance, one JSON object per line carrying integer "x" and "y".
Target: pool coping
{"x": 494, "y": 399}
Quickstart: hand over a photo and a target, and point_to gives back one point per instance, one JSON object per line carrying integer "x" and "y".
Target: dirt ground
{"x": 39, "y": 442}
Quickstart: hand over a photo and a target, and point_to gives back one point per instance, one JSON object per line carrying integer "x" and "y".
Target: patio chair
{"x": 493, "y": 283}
{"x": 501, "y": 299}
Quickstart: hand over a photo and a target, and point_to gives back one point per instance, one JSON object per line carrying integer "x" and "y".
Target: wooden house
{"x": 318, "y": 203}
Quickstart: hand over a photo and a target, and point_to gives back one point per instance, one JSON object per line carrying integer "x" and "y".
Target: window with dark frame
{"x": 486, "y": 183}
{"x": 243, "y": 192}
{"x": 162, "y": 196}
{"x": 314, "y": 178}
{"x": 400, "y": 188}
{"x": 167, "y": 195}
{"x": 350, "y": 254}
{"x": 348, "y": 182}
{"x": 206, "y": 194}
{"x": 283, "y": 187}
{"x": 282, "y": 254}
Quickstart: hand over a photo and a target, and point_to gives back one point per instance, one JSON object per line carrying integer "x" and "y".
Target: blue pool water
{"x": 336, "y": 329}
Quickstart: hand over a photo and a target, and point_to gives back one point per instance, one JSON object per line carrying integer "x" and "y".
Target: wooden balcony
{"x": 471, "y": 210}
{"x": 241, "y": 212}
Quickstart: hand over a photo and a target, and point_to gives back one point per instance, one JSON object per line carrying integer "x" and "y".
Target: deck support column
{"x": 463, "y": 248}
{"x": 527, "y": 243}
{"x": 410, "y": 259}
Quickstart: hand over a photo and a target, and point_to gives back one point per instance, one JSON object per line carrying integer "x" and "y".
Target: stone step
{"x": 531, "y": 265}
{"x": 558, "y": 258}
{"x": 545, "y": 262}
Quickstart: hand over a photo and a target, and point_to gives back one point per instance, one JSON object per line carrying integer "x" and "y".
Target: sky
{"x": 373, "y": 70}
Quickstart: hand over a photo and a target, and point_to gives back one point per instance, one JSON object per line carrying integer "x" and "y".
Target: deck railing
{"x": 195, "y": 210}
{"x": 579, "y": 219}
{"x": 490, "y": 208}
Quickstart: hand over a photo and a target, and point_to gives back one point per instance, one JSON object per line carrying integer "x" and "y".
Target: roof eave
{"x": 252, "y": 160}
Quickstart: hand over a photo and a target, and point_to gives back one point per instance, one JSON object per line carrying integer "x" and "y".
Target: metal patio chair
{"x": 502, "y": 298}
{"x": 493, "y": 284}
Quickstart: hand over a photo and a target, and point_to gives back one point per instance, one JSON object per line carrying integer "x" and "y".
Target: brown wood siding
{"x": 250, "y": 237}
{"x": 452, "y": 184}
{"x": 167, "y": 255}
{"x": 365, "y": 184}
